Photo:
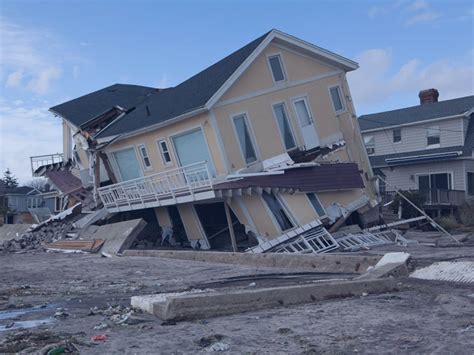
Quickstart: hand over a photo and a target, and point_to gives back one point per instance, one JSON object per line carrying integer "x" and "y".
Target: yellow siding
{"x": 300, "y": 208}
{"x": 163, "y": 216}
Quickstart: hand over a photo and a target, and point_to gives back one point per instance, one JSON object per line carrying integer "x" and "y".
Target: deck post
{"x": 231, "y": 227}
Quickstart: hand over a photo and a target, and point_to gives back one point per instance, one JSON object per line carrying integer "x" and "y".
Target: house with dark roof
{"x": 265, "y": 141}
{"x": 428, "y": 147}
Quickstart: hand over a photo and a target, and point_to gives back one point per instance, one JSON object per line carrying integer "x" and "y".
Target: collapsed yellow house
{"x": 266, "y": 140}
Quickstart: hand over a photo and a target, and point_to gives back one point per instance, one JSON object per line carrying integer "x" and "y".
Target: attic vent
{"x": 147, "y": 110}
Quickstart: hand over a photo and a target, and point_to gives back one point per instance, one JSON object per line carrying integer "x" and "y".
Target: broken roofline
{"x": 347, "y": 65}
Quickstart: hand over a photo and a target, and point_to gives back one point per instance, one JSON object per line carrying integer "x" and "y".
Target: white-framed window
{"x": 276, "y": 66}
{"x": 145, "y": 158}
{"x": 278, "y": 211}
{"x": 317, "y": 205}
{"x": 58, "y": 204}
{"x": 369, "y": 142}
{"x": 34, "y": 202}
{"x": 433, "y": 137}
{"x": 397, "y": 135}
{"x": 336, "y": 97}
{"x": 165, "y": 152}
{"x": 245, "y": 140}
{"x": 284, "y": 125}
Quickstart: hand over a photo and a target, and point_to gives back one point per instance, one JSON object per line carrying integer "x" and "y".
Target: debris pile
{"x": 35, "y": 239}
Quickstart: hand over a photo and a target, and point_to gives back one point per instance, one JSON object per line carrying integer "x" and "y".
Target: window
{"x": 58, "y": 202}
{"x": 245, "y": 141}
{"x": 127, "y": 163}
{"x": 318, "y": 207}
{"x": 397, "y": 135}
{"x": 277, "y": 210}
{"x": 165, "y": 153}
{"x": 432, "y": 136}
{"x": 337, "y": 99}
{"x": 277, "y": 68}
{"x": 145, "y": 158}
{"x": 284, "y": 126}
{"x": 435, "y": 181}
{"x": 34, "y": 202}
{"x": 470, "y": 184}
{"x": 369, "y": 144}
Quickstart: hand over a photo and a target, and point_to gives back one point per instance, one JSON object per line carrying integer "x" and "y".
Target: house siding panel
{"x": 414, "y": 137}
{"x": 403, "y": 177}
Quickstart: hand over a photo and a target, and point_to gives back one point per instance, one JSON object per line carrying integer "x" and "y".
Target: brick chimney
{"x": 428, "y": 95}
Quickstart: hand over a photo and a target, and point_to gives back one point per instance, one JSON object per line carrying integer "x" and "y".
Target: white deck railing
{"x": 41, "y": 160}
{"x": 188, "y": 183}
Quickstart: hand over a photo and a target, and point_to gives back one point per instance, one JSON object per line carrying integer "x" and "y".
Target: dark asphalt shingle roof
{"x": 84, "y": 108}
{"x": 416, "y": 113}
{"x": 20, "y": 190}
{"x": 188, "y": 96}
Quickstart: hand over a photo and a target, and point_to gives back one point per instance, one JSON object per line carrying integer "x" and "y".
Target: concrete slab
{"x": 331, "y": 263}
{"x": 118, "y": 236}
{"x": 12, "y": 231}
{"x": 195, "y": 305}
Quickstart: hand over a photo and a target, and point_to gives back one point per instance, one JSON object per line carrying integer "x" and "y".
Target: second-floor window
{"x": 245, "y": 141}
{"x": 336, "y": 98}
{"x": 277, "y": 68}
{"x": 432, "y": 136}
{"x": 165, "y": 153}
{"x": 145, "y": 158}
{"x": 369, "y": 144}
{"x": 397, "y": 135}
{"x": 284, "y": 126}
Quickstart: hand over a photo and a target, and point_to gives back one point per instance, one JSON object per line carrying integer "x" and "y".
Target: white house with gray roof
{"x": 428, "y": 147}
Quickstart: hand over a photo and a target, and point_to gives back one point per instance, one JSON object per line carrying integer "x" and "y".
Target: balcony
{"x": 185, "y": 184}
{"x": 38, "y": 161}
{"x": 433, "y": 197}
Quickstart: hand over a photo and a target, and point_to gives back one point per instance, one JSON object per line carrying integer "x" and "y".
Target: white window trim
{"x": 303, "y": 97}
{"x": 437, "y": 145}
{"x": 144, "y": 167}
{"x": 314, "y": 209}
{"x": 341, "y": 96}
{"x": 365, "y": 146}
{"x": 212, "y": 166}
{"x": 450, "y": 173}
{"x": 273, "y": 218}
{"x": 401, "y": 136}
{"x": 115, "y": 164}
{"x": 283, "y": 69}
{"x": 252, "y": 137}
{"x": 290, "y": 124}
{"x": 158, "y": 145}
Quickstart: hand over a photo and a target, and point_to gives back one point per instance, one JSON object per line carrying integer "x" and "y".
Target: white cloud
{"x": 418, "y": 5}
{"x": 26, "y": 132}
{"x": 424, "y": 17}
{"x": 377, "y": 81}
{"x": 14, "y": 79}
{"x": 27, "y": 59}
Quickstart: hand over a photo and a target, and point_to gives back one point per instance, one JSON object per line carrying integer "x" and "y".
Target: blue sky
{"x": 53, "y": 51}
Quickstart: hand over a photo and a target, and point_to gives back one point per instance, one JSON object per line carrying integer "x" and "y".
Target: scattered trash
{"x": 101, "y": 337}
{"x": 101, "y": 326}
{"x": 252, "y": 284}
{"x": 218, "y": 347}
{"x": 61, "y": 313}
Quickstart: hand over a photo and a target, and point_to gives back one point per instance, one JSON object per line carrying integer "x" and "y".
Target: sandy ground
{"x": 423, "y": 317}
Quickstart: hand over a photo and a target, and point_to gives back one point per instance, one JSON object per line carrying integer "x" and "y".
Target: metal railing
{"x": 148, "y": 191}
{"x": 444, "y": 197}
{"x": 41, "y": 160}
{"x": 433, "y": 197}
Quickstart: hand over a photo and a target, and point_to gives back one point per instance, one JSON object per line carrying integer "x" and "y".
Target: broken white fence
{"x": 310, "y": 238}
{"x": 365, "y": 240}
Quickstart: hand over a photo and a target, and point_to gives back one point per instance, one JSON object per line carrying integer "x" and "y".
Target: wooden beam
{"x": 231, "y": 227}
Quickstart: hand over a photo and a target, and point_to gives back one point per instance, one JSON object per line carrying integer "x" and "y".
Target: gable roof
{"x": 84, "y": 108}
{"x": 188, "y": 96}
{"x": 418, "y": 113}
{"x": 20, "y": 190}
{"x": 205, "y": 88}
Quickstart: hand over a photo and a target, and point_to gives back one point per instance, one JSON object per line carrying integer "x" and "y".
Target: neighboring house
{"x": 266, "y": 137}
{"x": 17, "y": 201}
{"x": 428, "y": 147}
